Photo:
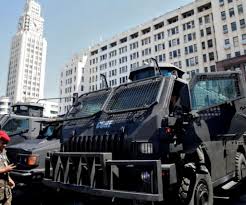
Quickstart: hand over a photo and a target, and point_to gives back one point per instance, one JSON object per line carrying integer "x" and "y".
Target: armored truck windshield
{"x": 89, "y": 104}
{"x": 16, "y": 125}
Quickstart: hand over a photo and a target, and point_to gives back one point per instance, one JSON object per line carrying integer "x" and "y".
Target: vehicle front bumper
{"x": 27, "y": 176}
{"x": 61, "y": 175}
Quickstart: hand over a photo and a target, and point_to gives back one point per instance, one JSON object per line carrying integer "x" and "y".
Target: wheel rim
{"x": 202, "y": 194}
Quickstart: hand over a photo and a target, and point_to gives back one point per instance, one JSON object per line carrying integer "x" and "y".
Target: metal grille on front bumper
{"x": 115, "y": 144}
{"x": 97, "y": 174}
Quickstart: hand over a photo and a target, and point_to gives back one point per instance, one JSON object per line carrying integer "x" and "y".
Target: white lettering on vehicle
{"x": 104, "y": 124}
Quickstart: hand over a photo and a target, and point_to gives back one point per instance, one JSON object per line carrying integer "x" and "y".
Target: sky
{"x": 72, "y": 25}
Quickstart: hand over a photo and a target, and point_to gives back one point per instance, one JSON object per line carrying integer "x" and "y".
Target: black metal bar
{"x": 84, "y": 154}
{"x": 104, "y": 192}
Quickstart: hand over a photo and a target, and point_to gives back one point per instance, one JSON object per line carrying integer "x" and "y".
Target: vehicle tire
{"x": 240, "y": 164}
{"x": 184, "y": 190}
{"x": 203, "y": 190}
{"x": 196, "y": 190}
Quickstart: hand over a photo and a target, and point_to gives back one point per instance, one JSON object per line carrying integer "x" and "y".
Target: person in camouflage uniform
{"x": 6, "y": 183}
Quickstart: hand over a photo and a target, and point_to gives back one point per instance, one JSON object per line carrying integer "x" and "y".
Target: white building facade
{"x": 50, "y": 108}
{"x": 72, "y": 79}
{"x": 5, "y": 105}
{"x": 27, "y": 57}
{"x": 193, "y": 38}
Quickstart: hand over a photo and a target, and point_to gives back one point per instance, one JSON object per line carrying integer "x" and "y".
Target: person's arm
{"x": 7, "y": 169}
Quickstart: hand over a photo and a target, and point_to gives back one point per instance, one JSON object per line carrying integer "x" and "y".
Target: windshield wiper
{"x": 79, "y": 118}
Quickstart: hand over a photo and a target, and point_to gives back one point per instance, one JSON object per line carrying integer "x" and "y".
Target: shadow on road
{"x": 38, "y": 195}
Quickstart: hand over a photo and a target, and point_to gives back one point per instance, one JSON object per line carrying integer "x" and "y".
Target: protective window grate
{"x": 140, "y": 95}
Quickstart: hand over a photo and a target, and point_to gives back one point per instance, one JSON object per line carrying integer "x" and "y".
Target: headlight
{"x": 28, "y": 159}
{"x": 146, "y": 148}
{"x": 32, "y": 160}
{"x": 146, "y": 177}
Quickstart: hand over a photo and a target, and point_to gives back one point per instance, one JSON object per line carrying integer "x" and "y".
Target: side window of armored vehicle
{"x": 180, "y": 98}
{"x": 16, "y": 125}
{"x": 49, "y": 132}
{"x": 211, "y": 92}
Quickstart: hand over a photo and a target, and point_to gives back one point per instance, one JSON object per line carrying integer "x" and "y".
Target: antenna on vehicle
{"x": 157, "y": 68}
{"x": 105, "y": 79}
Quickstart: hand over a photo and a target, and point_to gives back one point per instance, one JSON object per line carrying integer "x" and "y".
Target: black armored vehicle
{"x": 22, "y": 123}
{"x": 155, "y": 137}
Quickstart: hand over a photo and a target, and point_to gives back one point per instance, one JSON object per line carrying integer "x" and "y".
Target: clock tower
{"x": 27, "y": 56}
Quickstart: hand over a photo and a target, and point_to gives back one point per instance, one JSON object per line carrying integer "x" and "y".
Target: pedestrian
{"x": 6, "y": 183}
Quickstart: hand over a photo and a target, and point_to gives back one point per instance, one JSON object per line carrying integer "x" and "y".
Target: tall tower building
{"x": 27, "y": 56}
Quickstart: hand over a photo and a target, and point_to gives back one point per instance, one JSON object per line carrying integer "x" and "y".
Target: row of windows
{"x": 30, "y": 88}
{"x": 159, "y": 47}
{"x": 158, "y": 26}
{"x": 235, "y": 40}
{"x": 231, "y": 12}
{"x": 31, "y": 94}
{"x": 234, "y": 26}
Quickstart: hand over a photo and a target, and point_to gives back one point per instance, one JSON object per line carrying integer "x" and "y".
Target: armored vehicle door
{"x": 214, "y": 97}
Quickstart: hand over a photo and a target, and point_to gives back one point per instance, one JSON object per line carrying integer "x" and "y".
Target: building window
{"x": 227, "y": 41}
{"x": 159, "y": 25}
{"x": 235, "y": 41}
{"x": 221, "y": 2}
{"x": 159, "y": 36}
{"x": 228, "y": 56}
{"x": 146, "y": 41}
{"x": 237, "y": 54}
{"x": 202, "y": 33}
{"x": 231, "y": 12}
{"x": 233, "y": 26}
{"x": 173, "y": 31}
{"x": 188, "y": 25}
{"x": 200, "y": 20}
{"x": 242, "y": 23}
{"x": 207, "y": 19}
{"x": 159, "y": 47}
{"x": 212, "y": 68}
{"x": 211, "y": 56}
{"x": 190, "y": 37}
{"x": 240, "y": 9}
{"x": 210, "y": 43}
{"x": 244, "y": 37}
{"x": 145, "y": 31}
{"x": 209, "y": 31}
{"x": 223, "y": 15}
{"x": 225, "y": 29}
{"x": 229, "y": 1}
{"x": 203, "y": 45}
{"x": 204, "y": 58}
